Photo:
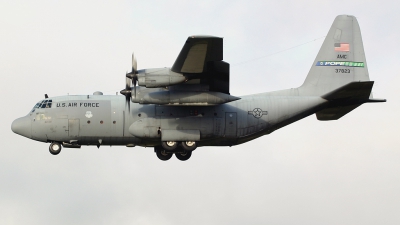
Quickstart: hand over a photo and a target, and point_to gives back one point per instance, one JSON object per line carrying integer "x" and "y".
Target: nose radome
{"x": 22, "y": 126}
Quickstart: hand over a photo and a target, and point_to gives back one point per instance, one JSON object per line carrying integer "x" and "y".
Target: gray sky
{"x": 311, "y": 172}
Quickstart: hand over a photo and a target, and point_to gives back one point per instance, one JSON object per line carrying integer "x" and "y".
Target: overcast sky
{"x": 311, "y": 172}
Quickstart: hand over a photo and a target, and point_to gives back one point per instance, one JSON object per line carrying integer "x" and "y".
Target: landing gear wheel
{"x": 55, "y": 148}
{"x": 169, "y": 145}
{"x": 189, "y": 145}
{"x": 183, "y": 156}
{"x": 162, "y": 154}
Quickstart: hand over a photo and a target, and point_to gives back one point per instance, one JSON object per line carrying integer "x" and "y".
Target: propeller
{"x": 132, "y": 76}
{"x": 127, "y": 92}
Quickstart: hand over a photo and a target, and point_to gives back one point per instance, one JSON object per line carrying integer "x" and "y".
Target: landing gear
{"x": 162, "y": 153}
{"x": 182, "y": 150}
{"x": 183, "y": 156}
{"x": 189, "y": 145}
{"x": 55, "y": 148}
{"x": 169, "y": 145}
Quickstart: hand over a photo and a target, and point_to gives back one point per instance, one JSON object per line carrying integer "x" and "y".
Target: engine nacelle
{"x": 159, "y": 77}
{"x": 181, "y": 98}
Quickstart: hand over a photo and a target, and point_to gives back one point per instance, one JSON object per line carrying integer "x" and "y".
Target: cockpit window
{"x": 43, "y": 104}
{"x": 49, "y": 104}
{"x": 35, "y": 107}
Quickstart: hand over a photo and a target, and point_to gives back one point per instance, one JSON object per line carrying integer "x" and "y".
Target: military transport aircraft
{"x": 189, "y": 105}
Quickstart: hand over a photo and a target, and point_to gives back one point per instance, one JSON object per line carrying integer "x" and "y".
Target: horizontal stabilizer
{"x": 353, "y": 90}
{"x": 344, "y": 99}
{"x": 334, "y": 113}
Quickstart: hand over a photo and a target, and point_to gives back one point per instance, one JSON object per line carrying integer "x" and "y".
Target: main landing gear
{"x": 183, "y": 156}
{"x": 162, "y": 154}
{"x": 182, "y": 151}
{"x": 55, "y": 148}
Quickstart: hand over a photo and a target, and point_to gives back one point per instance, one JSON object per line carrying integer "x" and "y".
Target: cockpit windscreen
{"x": 43, "y": 104}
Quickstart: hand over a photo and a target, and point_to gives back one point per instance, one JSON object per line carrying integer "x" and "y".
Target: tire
{"x": 55, "y": 148}
{"x": 169, "y": 145}
{"x": 183, "y": 156}
{"x": 162, "y": 154}
{"x": 189, "y": 145}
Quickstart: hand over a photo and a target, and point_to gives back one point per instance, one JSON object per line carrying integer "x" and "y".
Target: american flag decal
{"x": 342, "y": 47}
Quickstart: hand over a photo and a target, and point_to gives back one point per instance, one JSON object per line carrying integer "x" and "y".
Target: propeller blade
{"x": 128, "y": 85}
{"x": 130, "y": 77}
{"x": 127, "y": 92}
{"x": 134, "y": 64}
{"x": 134, "y": 86}
{"x": 128, "y": 100}
{"x": 129, "y": 105}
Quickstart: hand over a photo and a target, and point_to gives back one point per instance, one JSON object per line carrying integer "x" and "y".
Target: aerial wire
{"x": 265, "y": 56}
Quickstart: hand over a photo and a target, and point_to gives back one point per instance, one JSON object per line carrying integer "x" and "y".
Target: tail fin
{"x": 340, "y": 60}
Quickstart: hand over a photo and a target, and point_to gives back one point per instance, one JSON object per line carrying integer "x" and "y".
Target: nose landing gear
{"x": 55, "y": 148}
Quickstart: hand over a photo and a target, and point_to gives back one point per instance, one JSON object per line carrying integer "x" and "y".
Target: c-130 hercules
{"x": 189, "y": 105}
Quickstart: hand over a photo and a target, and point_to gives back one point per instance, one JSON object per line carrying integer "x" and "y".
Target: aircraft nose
{"x": 22, "y": 126}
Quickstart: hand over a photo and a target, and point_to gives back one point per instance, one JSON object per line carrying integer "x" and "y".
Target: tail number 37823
{"x": 342, "y": 70}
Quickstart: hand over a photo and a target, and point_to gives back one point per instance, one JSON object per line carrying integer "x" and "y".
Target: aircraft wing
{"x": 200, "y": 60}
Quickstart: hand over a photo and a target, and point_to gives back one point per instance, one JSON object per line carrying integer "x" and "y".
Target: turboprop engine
{"x": 159, "y": 77}
{"x": 155, "y": 89}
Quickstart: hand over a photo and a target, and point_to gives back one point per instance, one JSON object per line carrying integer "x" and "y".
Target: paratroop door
{"x": 230, "y": 125}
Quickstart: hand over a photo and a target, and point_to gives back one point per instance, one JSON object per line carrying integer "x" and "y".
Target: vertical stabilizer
{"x": 340, "y": 60}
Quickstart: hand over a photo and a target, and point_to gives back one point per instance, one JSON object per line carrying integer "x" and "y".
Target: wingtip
{"x": 203, "y": 36}
{"x": 376, "y": 100}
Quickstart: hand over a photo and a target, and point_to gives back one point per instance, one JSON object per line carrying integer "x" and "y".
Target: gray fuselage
{"x": 86, "y": 119}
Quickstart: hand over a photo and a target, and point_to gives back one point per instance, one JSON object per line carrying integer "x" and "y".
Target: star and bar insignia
{"x": 257, "y": 113}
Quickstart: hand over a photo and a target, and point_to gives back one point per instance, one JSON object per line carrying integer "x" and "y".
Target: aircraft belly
{"x": 253, "y": 116}
{"x": 152, "y": 128}
{"x": 268, "y": 113}
{"x": 287, "y": 108}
